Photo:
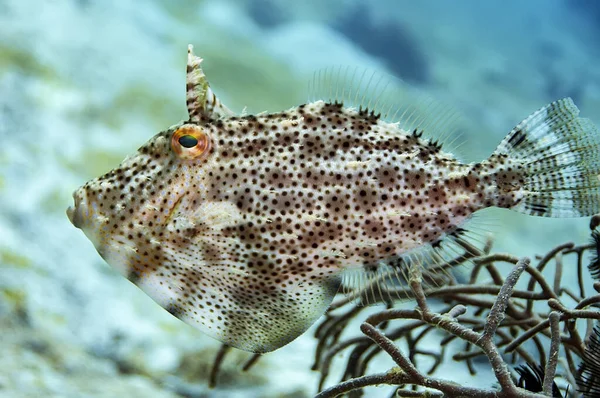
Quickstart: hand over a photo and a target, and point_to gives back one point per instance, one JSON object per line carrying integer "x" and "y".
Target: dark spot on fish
{"x": 517, "y": 138}
{"x": 466, "y": 181}
{"x": 417, "y": 134}
{"x": 370, "y": 267}
{"x": 133, "y": 275}
{"x": 457, "y": 232}
{"x": 537, "y": 208}
{"x": 175, "y": 310}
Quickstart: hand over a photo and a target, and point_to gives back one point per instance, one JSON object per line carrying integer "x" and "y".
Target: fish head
{"x": 136, "y": 206}
{"x": 163, "y": 220}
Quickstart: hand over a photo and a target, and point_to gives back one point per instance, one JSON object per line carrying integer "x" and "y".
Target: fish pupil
{"x": 188, "y": 141}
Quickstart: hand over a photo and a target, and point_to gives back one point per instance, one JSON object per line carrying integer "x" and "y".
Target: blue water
{"x": 83, "y": 83}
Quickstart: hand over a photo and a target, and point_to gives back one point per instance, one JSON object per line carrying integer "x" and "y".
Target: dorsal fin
{"x": 389, "y": 98}
{"x": 201, "y": 100}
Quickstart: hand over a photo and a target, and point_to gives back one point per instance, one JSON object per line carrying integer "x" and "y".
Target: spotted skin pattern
{"x": 246, "y": 235}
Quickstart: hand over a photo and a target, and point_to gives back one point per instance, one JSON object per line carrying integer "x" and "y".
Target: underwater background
{"x": 83, "y": 83}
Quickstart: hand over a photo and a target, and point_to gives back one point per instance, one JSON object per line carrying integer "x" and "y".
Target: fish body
{"x": 242, "y": 226}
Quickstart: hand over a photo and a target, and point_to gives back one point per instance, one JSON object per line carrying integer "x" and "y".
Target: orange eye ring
{"x": 190, "y": 142}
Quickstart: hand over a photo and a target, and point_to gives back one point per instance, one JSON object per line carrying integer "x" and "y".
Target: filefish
{"x": 244, "y": 226}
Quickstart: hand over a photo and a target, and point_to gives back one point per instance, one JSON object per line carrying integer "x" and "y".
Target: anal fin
{"x": 389, "y": 280}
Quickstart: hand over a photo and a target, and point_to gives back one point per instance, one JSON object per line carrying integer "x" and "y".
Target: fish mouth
{"x": 79, "y": 211}
{"x": 71, "y": 214}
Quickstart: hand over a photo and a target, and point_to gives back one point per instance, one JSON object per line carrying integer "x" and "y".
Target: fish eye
{"x": 190, "y": 142}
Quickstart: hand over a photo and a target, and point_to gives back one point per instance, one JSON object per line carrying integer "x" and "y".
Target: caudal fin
{"x": 559, "y": 153}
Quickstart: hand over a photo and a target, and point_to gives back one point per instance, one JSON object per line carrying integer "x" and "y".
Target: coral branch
{"x": 496, "y": 314}
{"x": 212, "y": 381}
{"x": 394, "y": 352}
{"x": 392, "y": 378}
{"x": 550, "y": 370}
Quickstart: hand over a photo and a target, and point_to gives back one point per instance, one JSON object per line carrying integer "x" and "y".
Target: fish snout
{"x": 79, "y": 212}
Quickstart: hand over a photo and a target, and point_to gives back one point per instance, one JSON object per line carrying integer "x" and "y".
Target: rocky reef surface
{"x": 84, "y": 83}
